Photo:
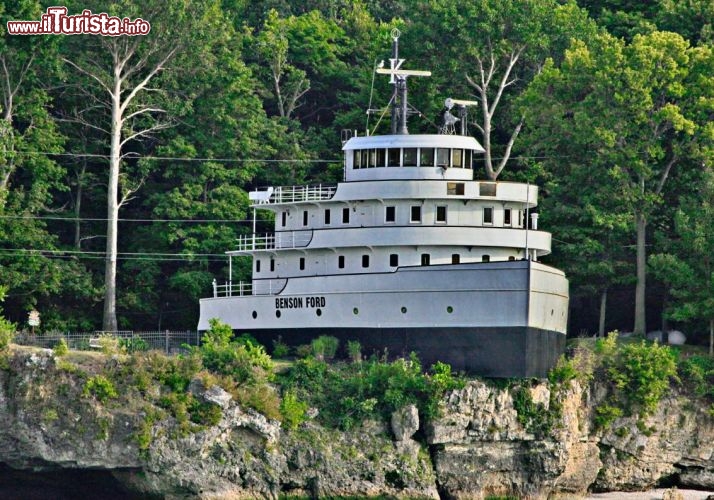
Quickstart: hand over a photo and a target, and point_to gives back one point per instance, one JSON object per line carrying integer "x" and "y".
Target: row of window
{"x": 412, "y": 157}
{"x": 393, "y": 261}
{"x": 415, "y": 215}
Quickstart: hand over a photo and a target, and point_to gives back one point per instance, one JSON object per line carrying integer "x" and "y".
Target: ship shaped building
{"x": 408, "y": 253}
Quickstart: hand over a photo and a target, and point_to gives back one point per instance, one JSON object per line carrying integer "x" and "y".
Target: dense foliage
{"x": 607, "y": 105}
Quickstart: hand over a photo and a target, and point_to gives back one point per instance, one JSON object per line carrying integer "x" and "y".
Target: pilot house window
{"x": 442, "y": 158}
{"x": 426, "y": 157}
{"x": 393, "y": 157}
{"x": 455, "y": 188}
{"x": 410, "y": 157}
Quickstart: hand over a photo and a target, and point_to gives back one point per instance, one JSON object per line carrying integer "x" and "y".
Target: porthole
{"x": 449, "y": 309}
{"x": 404, "y": 310}
{"x": 318, "y": 312}
{"x": 277, "y": 313}
{"x": 255, "y": 314}
{"x": 355, "y": 311}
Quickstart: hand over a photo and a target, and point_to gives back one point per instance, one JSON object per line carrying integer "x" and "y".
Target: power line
{"x": 54, "y": 250}
{"x": 178, "y": 158}
{"x": 98, "y": 219}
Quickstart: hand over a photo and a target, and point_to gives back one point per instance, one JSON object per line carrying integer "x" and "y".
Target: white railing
{"x": 272, "y": 241}
{"x": 241, "y": 289}
{"x": 292, "y": 194}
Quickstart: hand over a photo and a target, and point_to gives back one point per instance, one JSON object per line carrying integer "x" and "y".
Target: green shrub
{"x": 133, "y": 344}
{"x": 245, "y": 361}
{"x": 605, "y": 415}
{"x": 638, "y": 373}
{"x": 303, "y": 351}
{"x": 563, "y": 371}
{"x": 60, "y": 349}
{"x": 325, "y": 347}
{"x": 7, "y": 329}
{"x": 101, "y": 388}
{"x": 354, "y": 351}
{"x": 205, "y": 414}
{"x": 346, "y": 393}
{"x": 534, "y": 417}
{"x": 292, "y": 410}
{"x": 109, "y": 344}
{"x": 280, "y": 348}
{"x": 698, "y": 373}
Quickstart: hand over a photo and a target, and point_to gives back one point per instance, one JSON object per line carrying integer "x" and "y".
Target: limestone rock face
{"x": 535, "y": 440}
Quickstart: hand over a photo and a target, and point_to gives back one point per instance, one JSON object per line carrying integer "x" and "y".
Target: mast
{"x": 398, "y": 78}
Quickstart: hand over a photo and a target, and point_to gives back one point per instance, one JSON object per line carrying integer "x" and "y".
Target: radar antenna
{"x": 449, "y": 120}
{"x": 398, "y": 78}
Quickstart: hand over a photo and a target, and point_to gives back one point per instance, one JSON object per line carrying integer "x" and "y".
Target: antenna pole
{"x": 402, "y": 86}
{"x": 395, "y": 57}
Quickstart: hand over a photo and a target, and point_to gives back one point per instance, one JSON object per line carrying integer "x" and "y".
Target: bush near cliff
{"x": 348, "y": 393}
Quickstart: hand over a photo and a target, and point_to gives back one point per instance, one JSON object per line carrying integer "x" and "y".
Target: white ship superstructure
{"x": 409, "y": 253}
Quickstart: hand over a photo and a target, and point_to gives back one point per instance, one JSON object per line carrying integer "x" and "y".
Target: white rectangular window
{"x": 507, "y": 217}
{"x": 415, "y": 214}
{"x": 488, "y": 215}
{"x": 441, "y": 214}
{"x": 327, "y": 216}
{"x": 394, "y": 260}
{"x": 341, "y": 261}
{"x": 345, "y": 215}
{"x": 284, "y": 219}
{"x": 257, "y": 266}
{"x": 302, "y": 263}
{"x": 304, "y": 217}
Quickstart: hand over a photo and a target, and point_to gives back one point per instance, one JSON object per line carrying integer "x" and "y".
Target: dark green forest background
{"x": 607, "y": 105}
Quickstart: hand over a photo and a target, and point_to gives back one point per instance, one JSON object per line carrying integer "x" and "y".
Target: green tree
{"x": 689, "y": 268}
{"x": 125, "y": 76}
{"x": 631, "y": 112}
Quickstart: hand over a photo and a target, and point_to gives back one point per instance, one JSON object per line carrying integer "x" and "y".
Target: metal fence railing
{"x": 167, "y": 341}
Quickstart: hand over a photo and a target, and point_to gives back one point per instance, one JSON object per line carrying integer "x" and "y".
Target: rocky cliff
{"x": 533, "y": 441}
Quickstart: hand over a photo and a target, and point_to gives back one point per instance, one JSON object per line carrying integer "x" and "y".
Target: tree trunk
{"x": 640, "y": 318}
{"x": 603, "y": 311}
{"x": 109, "y": 322}
{"x": 78, "y": 207}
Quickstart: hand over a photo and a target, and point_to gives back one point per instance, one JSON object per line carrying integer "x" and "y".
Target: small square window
{"x": 390, "y": 214}
{"x": 441, "y": 214}
{"x": 394, "y": 260}
{"x": 327, "y": 216}
{"x": 488, "y": 215}
{"x": 486, "y": 258}
{"x": 341, "y": 261}
{"x": 455, "y": 188}
{"x": 302, "y": 263}
{"x": 346, "y": 215}
{"x": 365, "y": 261}
{"x": 455, "y": 258}
{"x": 425, "y": 259}
{"x": 415, "y": 214}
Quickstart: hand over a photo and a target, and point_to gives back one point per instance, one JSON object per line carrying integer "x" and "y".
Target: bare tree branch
{"x": 89, "y": 74}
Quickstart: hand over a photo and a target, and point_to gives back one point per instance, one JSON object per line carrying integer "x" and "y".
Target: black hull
{"x": 489, "y": 352}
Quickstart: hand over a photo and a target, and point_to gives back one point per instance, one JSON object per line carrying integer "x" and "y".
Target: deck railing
{"x": 241, "y": 289}
{"x": 292, "y": 194}
{"x": 272, "y": 241}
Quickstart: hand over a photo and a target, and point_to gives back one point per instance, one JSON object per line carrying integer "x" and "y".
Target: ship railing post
{"x": 215, "y": 288}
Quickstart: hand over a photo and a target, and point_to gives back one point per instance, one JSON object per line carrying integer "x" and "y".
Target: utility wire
{"x": 96, "y": 219}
